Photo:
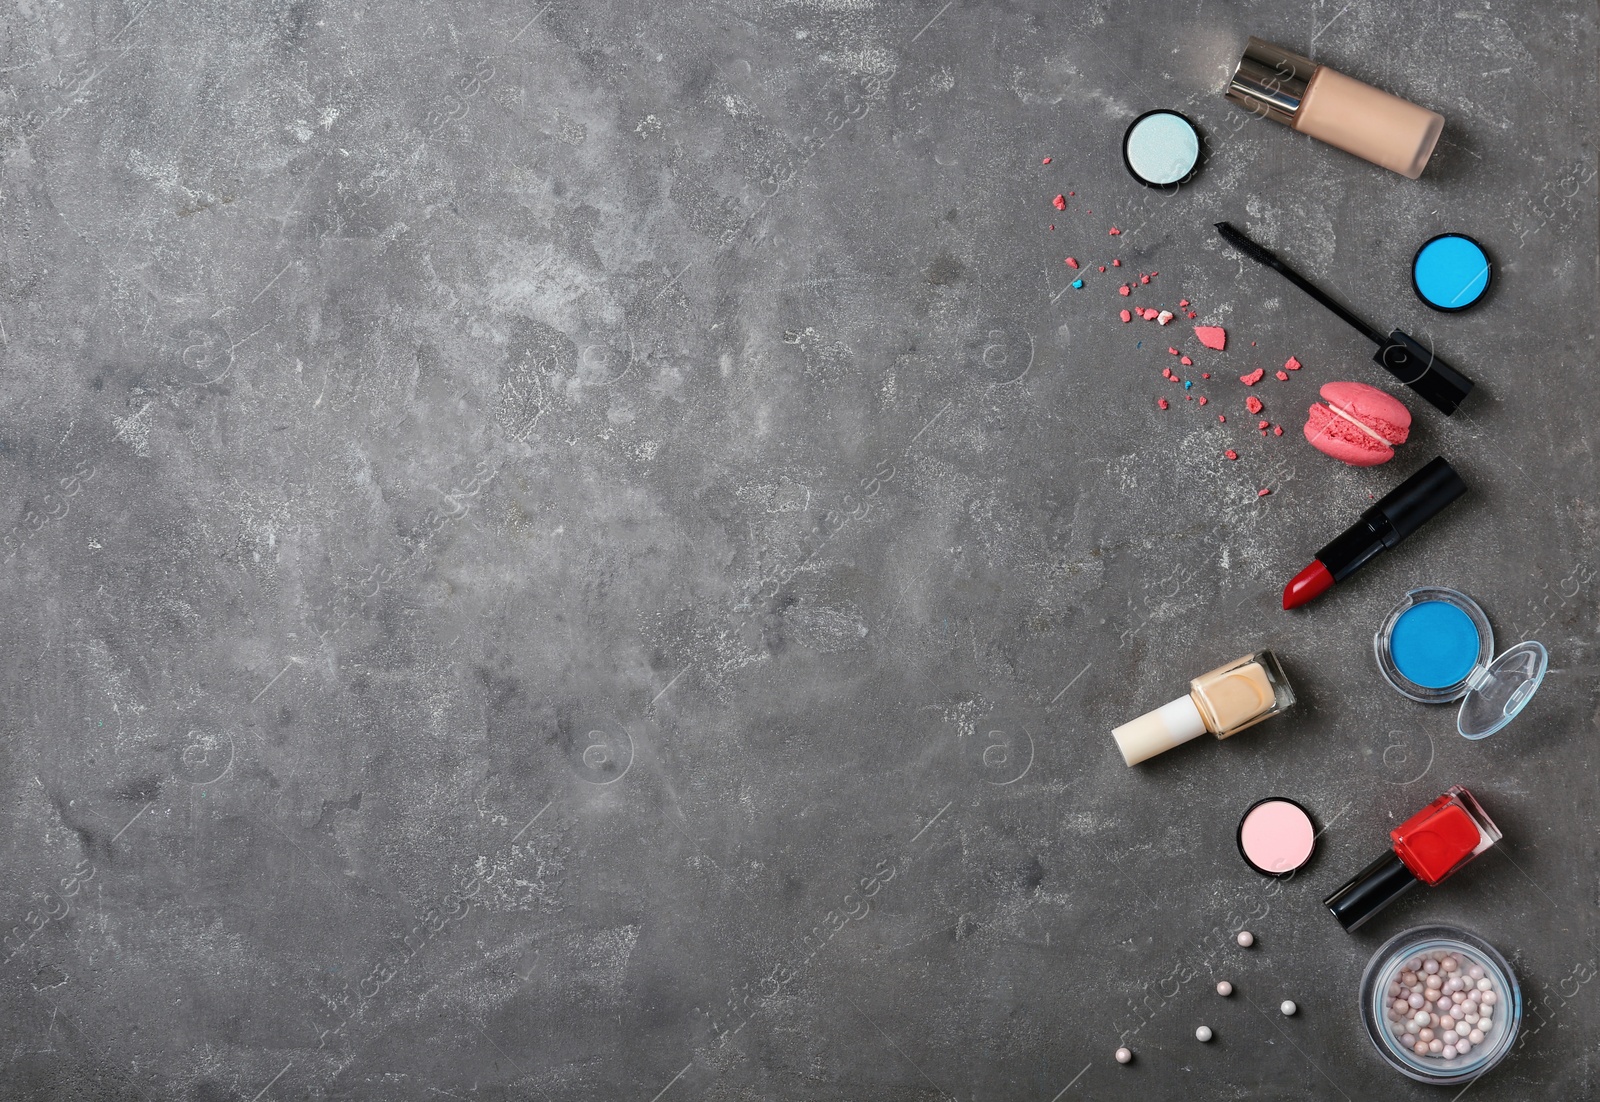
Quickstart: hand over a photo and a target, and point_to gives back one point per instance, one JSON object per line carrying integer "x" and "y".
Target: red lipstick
{"x": 1398, "y": 513}
{"x": 1309, "y": 584}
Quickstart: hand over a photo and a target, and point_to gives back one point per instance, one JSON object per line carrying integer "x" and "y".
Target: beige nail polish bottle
{"x": 1284, "y": 86}
{"x": 1225, "y": 701}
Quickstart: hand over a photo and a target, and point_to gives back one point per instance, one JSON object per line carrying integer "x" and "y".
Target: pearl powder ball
{"x": 1245, "y": 939}
{"x": 1124, "y": 1055}
{"x": 1203, "y": 1033}
{"x": 1438, "y": 1005}
{"x": 1224, "y": 988}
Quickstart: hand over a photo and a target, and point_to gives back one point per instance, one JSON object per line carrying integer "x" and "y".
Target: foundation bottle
{"x": 1372, "y": 124}
{"x": 1225, "y": 701}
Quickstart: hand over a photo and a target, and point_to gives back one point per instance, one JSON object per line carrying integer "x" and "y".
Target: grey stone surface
{"x": 589, "y": 552}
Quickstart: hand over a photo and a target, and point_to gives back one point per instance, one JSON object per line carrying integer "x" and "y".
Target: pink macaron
{"x": 1360, "y": 424}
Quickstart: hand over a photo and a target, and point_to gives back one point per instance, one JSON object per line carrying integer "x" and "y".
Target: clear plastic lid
{"x": 1437, "y": 643}
{"x": 1498, "y": 693}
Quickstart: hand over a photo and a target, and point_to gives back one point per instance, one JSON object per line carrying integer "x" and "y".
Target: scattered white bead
{"x": 1448, "y": 1052}
{"x": 1430, "y": 966}
{"x": 1203, "y": 1033}
{"x": 1476, "y": 1036}
{"x": 1287, "y": 1007}
{"x": 1224, "y": 988}
{"x": 1246, "y": 939}
{"x": 1476, "y": 971}
{"x": 1124, "y": 1055}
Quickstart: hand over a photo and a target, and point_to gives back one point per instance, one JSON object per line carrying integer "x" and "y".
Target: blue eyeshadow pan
{"x": 1161, "y": 149}
{"x": 1435, "y": 644}
{"x": 1451, "y": 272}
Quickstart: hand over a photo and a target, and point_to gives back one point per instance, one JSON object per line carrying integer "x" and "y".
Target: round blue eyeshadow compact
{"x": 1451, "y": 272}
{"x": 1436, "y": 647}
{"x": 1161, "y": 149}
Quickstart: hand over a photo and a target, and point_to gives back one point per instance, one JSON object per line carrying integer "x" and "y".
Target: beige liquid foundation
{"x": 1372, "y": 124}
{"x": 1225, "y": 701}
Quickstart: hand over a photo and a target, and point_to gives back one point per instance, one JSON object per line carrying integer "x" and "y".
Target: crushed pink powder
{"x": 1221, "y": 418}
{"x": 1253, "y": 404}
{"x": 1127, "y": 316}
{"x": 1116, "y": 263}
{"x": 1186, "y": 361}
{"x": 1124, "y": 290}
{"x": 1172, "y": 351}
{"x": 1144, "y": 279}
{"x": 1254, "y": 377}
{"x": 1162, "y": 402}
{"x": 1183, "y": 302}
{"x": 1045, "y": 161}
{"x": 1263, "y": 424}
{"x": 1213, "y": 337}
{"x": 1114, "y": 231}
{"x": 1277, "y": 430}
{"x": 1283, "y": 376}
{"x": 1231, "y": 454}
{"x": 1192, "y": 314}
{"x": 1071, "y": 263}
{"x": 1060, "y": 202}
{"x": 1292, "y": 364}
{"x": 1102, "y": 267}
{"x": 1263, "y": 492}
{"x": 1202, "y": 399}
{"x": 1204, "y": 374}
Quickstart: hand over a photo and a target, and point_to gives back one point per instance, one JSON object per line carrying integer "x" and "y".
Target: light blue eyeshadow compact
{"x": 1436, "y": 647}
{"x": 1451, "y": 272}
{"x": 1161, "y": 149}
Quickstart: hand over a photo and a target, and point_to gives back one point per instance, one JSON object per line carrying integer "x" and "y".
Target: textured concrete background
{"x": 589, "y": 551}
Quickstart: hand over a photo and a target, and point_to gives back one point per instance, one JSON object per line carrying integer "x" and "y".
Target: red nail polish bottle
{"x": 1428, "y": 847}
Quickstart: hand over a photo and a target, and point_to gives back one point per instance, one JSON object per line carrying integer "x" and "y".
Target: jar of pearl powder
{"x": 1441, "y": 1004}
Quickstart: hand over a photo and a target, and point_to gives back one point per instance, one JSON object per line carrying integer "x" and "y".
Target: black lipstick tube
{"x": 1397, "y": 514}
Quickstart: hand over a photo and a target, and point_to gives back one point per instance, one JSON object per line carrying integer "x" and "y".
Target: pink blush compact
{"x": 1276, "y": 837}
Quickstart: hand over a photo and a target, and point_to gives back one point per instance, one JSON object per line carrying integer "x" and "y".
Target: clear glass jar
{"x": 1383, "y": 988}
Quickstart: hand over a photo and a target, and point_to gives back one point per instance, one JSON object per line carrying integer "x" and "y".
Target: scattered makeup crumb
{"x": 1203, "y": 374}
{"x": 1231, "y": 454}
{"x": 1213, "y": 337}
{"x": 1253, "y": 404}
{"x": 1124, "y": 290}
{"x": 1144, "y": 279}
{"x": 1192, "y": 314}
{"x": 1127, "y": 316}
{"x": 1045, "y": 161}
{"x": 1172, "y": 351}
{"x": 1252, "y": 344}
{"x": 1292, "y": 364}
{"x": 1071, "y": 263}
{"x": 1077, "y": 284}
{"x": 1183, "y": 302}
{"x": 1221, "y": 419}
{"x": 1283, "y": 376}
{"x": 1116, "y": 263}
{"x": 1102, "y": 267}
{"x": 1166, "y": 372}
{"x": 1264, "y": 424}
{"x": 1277, "y": 430}
{"x": 1187, "y": 383}
{"x": 1075, "y": 195}
{"x": 1254, "y": 377}
{"x": 1263, "y": 492}
{"x": 1154, "y": 274}
{"x": 1162, "y": 402}
{"x": 1186, "y": 361}
{"x": 1114, "y": 231}
{"x": 1202, "y": 400}
{"x": 1060, "y": 201}
{"x": 1052, "y": 225}
{"x": 1164, "y": 317}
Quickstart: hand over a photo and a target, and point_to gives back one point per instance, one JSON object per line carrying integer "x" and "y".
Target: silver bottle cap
{"x": 1270, "y": 81}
